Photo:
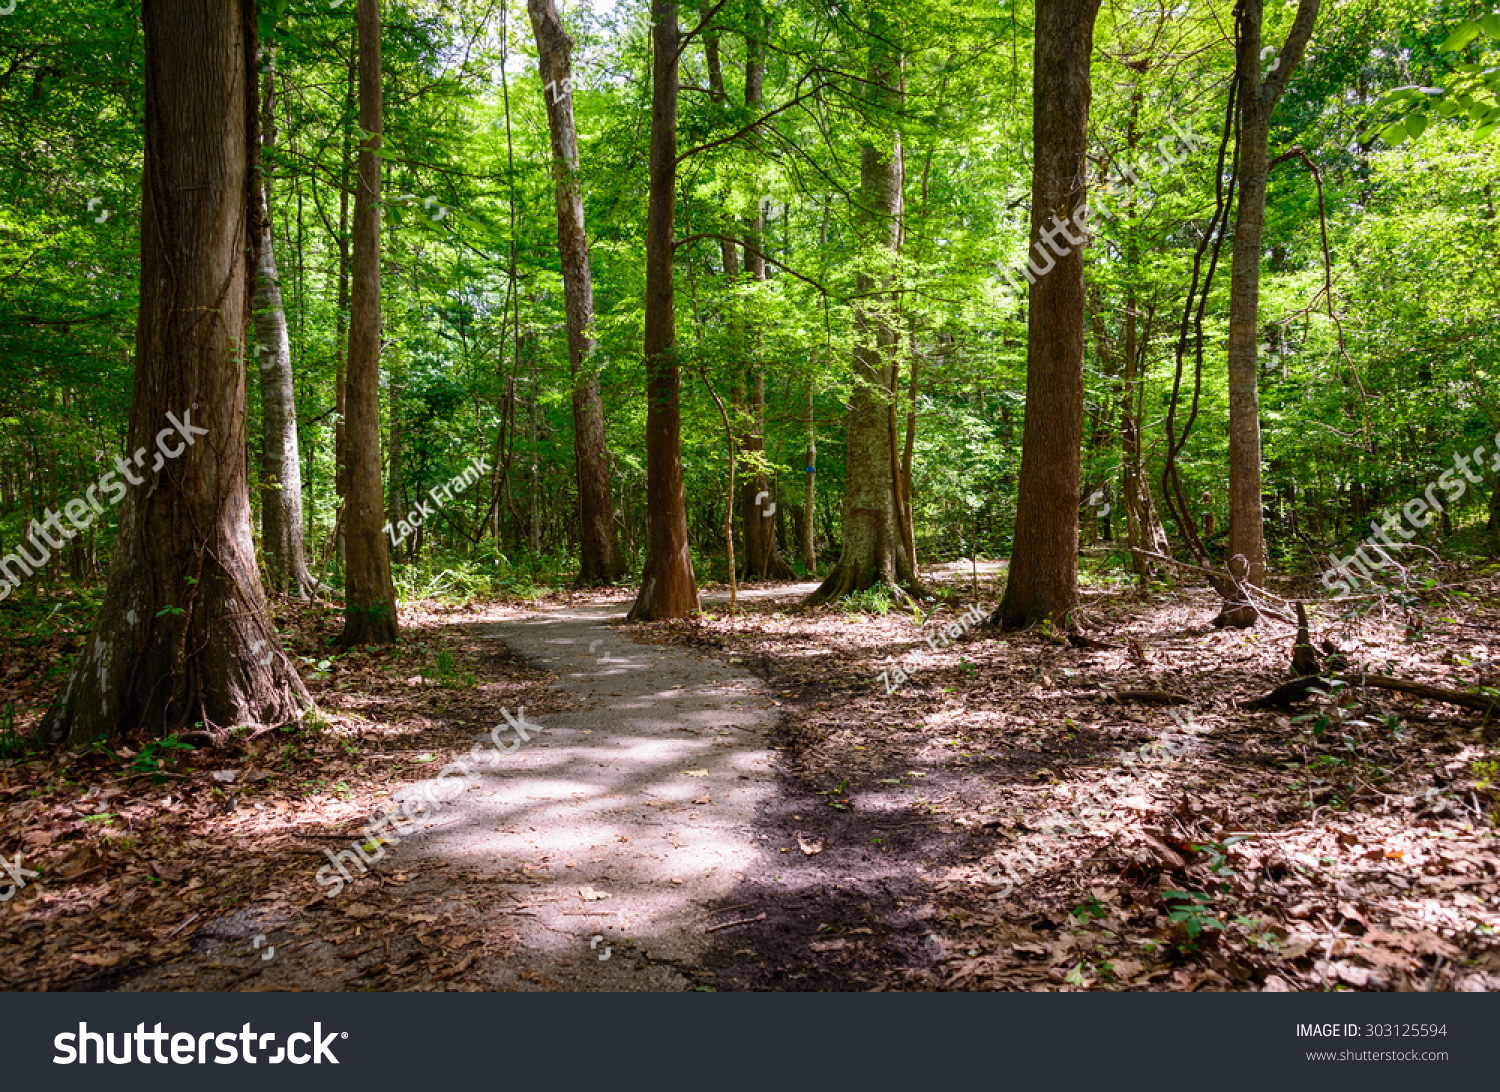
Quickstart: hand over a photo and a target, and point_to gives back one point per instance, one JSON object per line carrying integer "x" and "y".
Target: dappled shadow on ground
{"x": 1002, "y": 821}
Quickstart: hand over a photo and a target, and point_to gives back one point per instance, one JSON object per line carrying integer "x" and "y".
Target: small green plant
{"x": 1190, "y": 910}
{"x": 1259, "y": 936}
{"x": 317, "y": 669}
{"x": 11, "y": 744}
{"x": 875, "y": 599}
{"x": 448, "y": 676}
{"x": 1092, "y": 910}
{"x": 157, "y": 755}
{"x": 1218, "y": 855}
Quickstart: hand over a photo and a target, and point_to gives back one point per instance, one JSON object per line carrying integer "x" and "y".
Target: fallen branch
{"x": 731, "y": 924}
{"x": 1300, "y": 689}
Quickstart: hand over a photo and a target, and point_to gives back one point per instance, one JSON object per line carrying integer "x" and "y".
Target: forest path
{"x": 630, "y": 815}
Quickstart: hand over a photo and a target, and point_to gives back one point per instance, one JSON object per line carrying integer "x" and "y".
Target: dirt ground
{"x": 1016, "y": 815}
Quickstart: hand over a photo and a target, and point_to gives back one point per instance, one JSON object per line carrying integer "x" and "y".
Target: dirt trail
{"x": 587, "y": 858}
{"x": 645, "y": 792}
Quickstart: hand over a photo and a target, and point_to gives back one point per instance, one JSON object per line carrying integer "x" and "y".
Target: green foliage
{"x": 158, "y": 755}
{"x": 1189, "y": 909}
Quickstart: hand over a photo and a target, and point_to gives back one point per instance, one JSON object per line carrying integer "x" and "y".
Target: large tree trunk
{"x": 668, "y": 587}
{"x": 1042, "y": 583}
{"x": 281, "y": 465}
{"x": 599, "y": 550}
{"x": 1257, "y": 99}
{"x": 873, "y": 550}
{"x": 369, "y": 595}
{"x": 184, "y": 638}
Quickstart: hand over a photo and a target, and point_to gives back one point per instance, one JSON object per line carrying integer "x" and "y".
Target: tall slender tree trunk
{"x": 762, "y": 558}
{"x": 808, "y": 531}
{"x": 598, "y": 547}
{"x": 1042, "y": 583}
{"x": 1143, "y": 527}
{"x": 341, "y": 329}
{"x": 369, "y": 595}
{"x": 281, "y": 464}
{"x": 1257, "y": 99}
{"x": 873, "y": 551}
{"x": 184, "y": 639}
{"x": 668, "y": 586}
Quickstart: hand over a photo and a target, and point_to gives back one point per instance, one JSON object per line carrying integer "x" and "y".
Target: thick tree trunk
{"x": 281, "y": 465}
{"x": 598, "y": 547}
{"x": 1042, "y": 583}
{"x": 668, "y": 587}
{"x": 184, "y": 638}
{"x": 369, "y": 595}
{"x": 1257, "y": 100}
{"x": 873, "y": 552}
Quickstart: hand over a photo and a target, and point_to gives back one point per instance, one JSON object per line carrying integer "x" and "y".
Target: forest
{"x": 1032, "y": 468}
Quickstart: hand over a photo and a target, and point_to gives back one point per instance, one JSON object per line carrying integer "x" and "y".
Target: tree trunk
{"x": 341, "y": 332}
{"x": 762, "y": 558}
{"x": 873, "y": 552}
{"x": 1143, "y": 528}
{"x": 184, "y": 638}
{"x": 668, "y": 587}
{"x": 281, "y": 464}
{"x": 1042, "y": 583}
{"x": 598, "y": 547}
{"x": 808, "y": 533}
{"x": 1257, "y": 100}
{"x": 369, "y": 595}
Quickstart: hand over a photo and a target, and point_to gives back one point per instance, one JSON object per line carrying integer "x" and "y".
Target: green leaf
{"x": 1394, "y": 134}
{"x": 1461, "y": 37}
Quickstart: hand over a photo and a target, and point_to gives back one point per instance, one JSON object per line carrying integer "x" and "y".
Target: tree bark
{"x": 184, "y": 638}
{"x": 762, "y": 558}
{"x": 341, "y": 331}
{"x": 281, "y": 464}
{"x": 668, "y": 586}
{"x": 369, "y": 595}
{"x": 1042, "y": 583}
{"x": 598, "y": 548}
{"x": 873, "y": 551}
{"x": 807, "y": 532}
{"x": 1257, "y": 100}
{"x": 1143, "y": 527}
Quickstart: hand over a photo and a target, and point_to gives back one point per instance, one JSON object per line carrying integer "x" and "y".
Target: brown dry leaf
{"x": 359, "y": 911}
{"x": 164, "y": 871}
{"x": 810, "y": 848}
{"x": 1165, "y": 854}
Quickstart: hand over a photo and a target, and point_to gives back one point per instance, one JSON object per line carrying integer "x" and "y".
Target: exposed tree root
{"x": 1300, "y": 689}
